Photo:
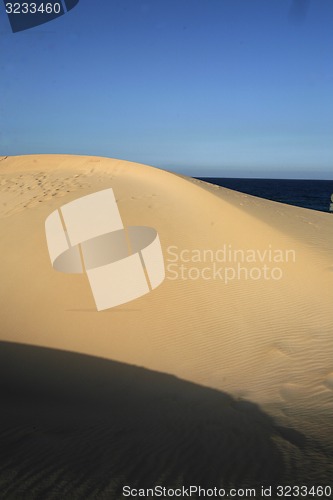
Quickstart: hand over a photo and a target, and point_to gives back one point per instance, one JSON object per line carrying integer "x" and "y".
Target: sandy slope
{"x": 266, "y": 341}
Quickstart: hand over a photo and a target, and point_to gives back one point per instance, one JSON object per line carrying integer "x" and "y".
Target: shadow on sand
{"x": 74, "y": 426}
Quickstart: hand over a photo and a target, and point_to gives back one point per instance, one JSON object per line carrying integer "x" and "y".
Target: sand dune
{"x": 95, "y": 425}
{"x": 265, "y": 341}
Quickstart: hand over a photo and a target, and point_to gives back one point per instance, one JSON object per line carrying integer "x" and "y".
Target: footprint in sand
{"x": 291, "y": 392}
{"x": 329, "y": 381}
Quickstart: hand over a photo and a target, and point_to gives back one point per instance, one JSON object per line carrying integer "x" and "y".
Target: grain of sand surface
{"x": 199, "y": 381}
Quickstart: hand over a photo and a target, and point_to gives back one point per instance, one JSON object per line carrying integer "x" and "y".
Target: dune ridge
{"x": 265, "y": 341}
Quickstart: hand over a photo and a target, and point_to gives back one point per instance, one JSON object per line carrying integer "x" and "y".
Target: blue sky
{"x": 234, "y": 88}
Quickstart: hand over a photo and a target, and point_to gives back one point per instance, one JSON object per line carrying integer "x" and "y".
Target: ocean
{"x": 313, "y": 194}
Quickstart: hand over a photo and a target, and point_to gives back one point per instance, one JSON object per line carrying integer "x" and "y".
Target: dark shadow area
{"x": 25, "y": 15}
{"x": 74, "y": 426}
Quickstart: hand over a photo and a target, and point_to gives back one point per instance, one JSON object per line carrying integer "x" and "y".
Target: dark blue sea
{"x": 313, "y": 194}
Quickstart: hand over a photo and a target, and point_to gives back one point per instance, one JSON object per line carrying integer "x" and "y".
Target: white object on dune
{"x": 87, "y": 235}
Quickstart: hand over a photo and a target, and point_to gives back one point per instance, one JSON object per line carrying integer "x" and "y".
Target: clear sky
{"x": 204, "y": 87}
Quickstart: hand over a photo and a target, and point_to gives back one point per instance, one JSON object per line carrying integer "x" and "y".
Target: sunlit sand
{"x": 265, "y": 342}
